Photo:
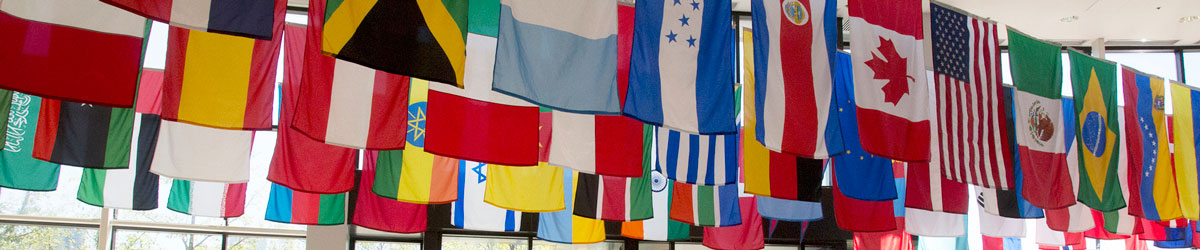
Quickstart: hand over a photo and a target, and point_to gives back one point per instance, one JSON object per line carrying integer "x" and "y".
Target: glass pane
{"x": 46, "y": 237}
{"x": 1161, "y": 64}
{"x": 139, "y": 240}
{"x": 608, "y": 245}
{"x": 164, "y": 215}
{"x": 1191, "y": 68}
{"x": 484, "y": 243}
{"x": 58, "y": 203}
{"x": 651, "y": 245}
{"x": 384, "y": 245}
{"x": 263, "y": 243}
{"x": 259, "y": 189}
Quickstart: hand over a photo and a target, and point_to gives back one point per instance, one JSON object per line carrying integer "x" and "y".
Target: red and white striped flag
{"x": 970, "y": 111}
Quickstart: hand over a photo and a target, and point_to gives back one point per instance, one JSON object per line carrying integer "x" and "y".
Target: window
{"x": 653, "y": 245}
{"x": 1161, "y": 64}
{"x": 46, "y": 237}
{"x": 383, "y": 245}
{"x": 58, "y": 203}
{"x": 1191, "y": 70}
{"x": 608, "y": 245}
{"x": 258, "y": 190}
{"x": 139, "y": 240}
{"x": 252, "y": 242}
{"x": 484, "y": 243}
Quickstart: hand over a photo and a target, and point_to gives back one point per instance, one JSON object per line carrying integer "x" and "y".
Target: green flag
{"x": 1096, "y": 130}
{"x": 18, "y": 168}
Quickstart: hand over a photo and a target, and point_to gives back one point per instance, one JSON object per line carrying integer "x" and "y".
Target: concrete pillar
{"x": 336, "y": 237}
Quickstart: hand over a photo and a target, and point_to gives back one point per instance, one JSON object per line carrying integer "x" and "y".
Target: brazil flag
{"x": 419, "y": 38}
{"x": 1096, "y": 129}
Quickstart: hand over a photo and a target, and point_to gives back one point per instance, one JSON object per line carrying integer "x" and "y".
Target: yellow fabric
{"x": 445, "y": 31}
{"x": 1096, "y": 165}
{"x": 584, "y": 230}
{"x": 216, "y": 79}
{"x": 756, "y": 159}
{"x": 424, "y": 178}
{"x": 340, "y": 26}
{"x": 1185, "y": 150}
{"x": 533, "y": 189}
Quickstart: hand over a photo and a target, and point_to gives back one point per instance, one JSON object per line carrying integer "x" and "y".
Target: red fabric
{"x": 893, "y": 137}
{"x": 614, "y": 198}
{"x": 748, "y": 235}
{"x": 861, "y": 216}
{"x": 1099, "y": 232}
{"x": 618, "y": 146}
{"x": 159, "y": 10}
{"x": 896, "y": 239}
{"x": 902, "y": 16}
{"x": 374, "y": 212}
{"x": 150, "y": 92}
{"x": 305, "y": 208}
{"x": 921, "y": 190}
{"x": 260, "y": 88}
{"x": 800, "y": 121}
{"x": 475, "y": 130}
{"x": 293, "y": 164}
{"x": 69, "y": 63}
{"x": 235, "y": 200}
{"x": 1046, "y": 179}
{"x": 1133, "y": 142}
{"x": 993, "y": 243}
{"x": 47, "y": 128}
{"x": 1152, "y": 230}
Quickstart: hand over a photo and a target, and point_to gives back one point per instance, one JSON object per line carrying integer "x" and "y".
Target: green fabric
{"x": 92, "y": 194}
{"x": 704, "y": 206}
{"x": 485, "y": 17}
{"x": 18, "y": 168}
{"x": 388, "y": 169}
{"x": 330, "y": 7}
{"x": 1036, "y": 65}
{"x": 641, "y": 194}
{"x": 120, "y": 138}
{"x": 333, "y": 209}
{"x": 180, "y": 199}
{"x": 459, "y": 11}
{"x": 1082, "y": 67}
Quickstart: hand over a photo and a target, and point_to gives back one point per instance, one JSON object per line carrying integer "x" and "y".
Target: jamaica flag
{"x": 419, "y": 38}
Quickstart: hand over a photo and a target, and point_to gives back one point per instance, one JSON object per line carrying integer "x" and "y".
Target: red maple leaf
{"x": 894, "y": 70}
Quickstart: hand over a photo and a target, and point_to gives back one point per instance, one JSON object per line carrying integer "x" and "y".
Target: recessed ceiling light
{"x": 1069, "y": 19}
{"x": 1188, "y": 19}
{"x": 1144, "y": 40}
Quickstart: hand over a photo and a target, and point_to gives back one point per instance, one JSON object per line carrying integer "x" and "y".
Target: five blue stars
{"x": 684, "y": 20}
{"x": 671, "y": 36}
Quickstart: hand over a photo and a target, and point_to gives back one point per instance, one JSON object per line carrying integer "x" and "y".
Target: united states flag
{"x": 972, "y": 130}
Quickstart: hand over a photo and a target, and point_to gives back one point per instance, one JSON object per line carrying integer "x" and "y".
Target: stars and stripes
{"x": 966, "y": 62}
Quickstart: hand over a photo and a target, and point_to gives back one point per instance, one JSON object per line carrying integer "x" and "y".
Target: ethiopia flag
{"x": 1095, "y": 88}
{"x": 297, "y": 207}
{"x": 413, "y": 175}
{"x": 84, "y": 135}
{"x": 423, "y": 38}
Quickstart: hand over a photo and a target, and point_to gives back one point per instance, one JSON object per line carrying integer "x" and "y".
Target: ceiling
{"x": 1073, "y": 22}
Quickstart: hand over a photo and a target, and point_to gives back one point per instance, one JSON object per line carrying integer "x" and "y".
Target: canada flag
{"x": 889, "y": 78}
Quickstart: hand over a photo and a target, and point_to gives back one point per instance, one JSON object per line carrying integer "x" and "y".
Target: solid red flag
{"x": 926, "y": 189}
{"x": 748, "y": 235}
{"x": 861, "y": 216}
{"x": 375, "y": 212}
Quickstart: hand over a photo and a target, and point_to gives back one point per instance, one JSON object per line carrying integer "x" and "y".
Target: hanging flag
{"x": 966, "y": 65}
{"x": 1005, "y": 203}
{"x": 374, "y": 212}
{"x": 222, "y": 81}
{"x": 1037, "y": 76}
{"x": 597, "y": 144}
{"x": 896, "y": 239}
{"x": 748, "y": 235}
{"x": 1045, "y": 236}
{"x": 285, "y": 205}
{"x": 1153, "y": 193}
{"x": 705, "y": 206}
{"x": 660, "y": 227}
{"x": 1123, "y": 228}
{"x": 615, "y": 198}
{"x": 998, "y": 243}
{"x": 198, "y": 153}
{"x": 1076, "y": 217}
{"x": 525, "y": 189}
{"x": 697, "y": 159}
{"x": 84, "y": 135}
{"x": 926, "y": 189}
{"x": 891, "y": 91}
{"x": 995, "y": 225}
{"x": 1095, "y": 89}
{"x": 208, "y": 199}
{"x": 1154, "y": 230}
{"x": 101, "y": 46}
{"x": 691, "y": 89}
{"x": 18, "y": 168}
{"x": 1013, "y": 196}
{"x": 564, "y": 226}
{"x": 795, "y": 104}
{"x": 872, "y": 175}
{"x": 1180, "y": 237}
{"x": 471, "y": 212}
{"x": 789, "y": 210}
{"x": 863, "y": 216}
{"x": 132, "y": 188}
{"x": 511, "y": 134}
{"x": 538, "y": 55}
{"x": 251, "y": 18}
{"x": 292, "y": 164}
{"x": 1184, "y": 151}
{"x": 1120, "y": 221}
{"x": 422, "y": 39}
{"x": 934, "y": 224}
{"x": 412, "y": 175}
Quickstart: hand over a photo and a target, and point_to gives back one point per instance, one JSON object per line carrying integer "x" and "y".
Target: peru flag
{"x": 889, "y": 75}
{"x": 794, "y": 45}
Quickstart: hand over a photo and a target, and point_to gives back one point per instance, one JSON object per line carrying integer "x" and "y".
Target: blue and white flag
{"x": 789, "y": 210}
{"x": 679, "y": 70}
{"x": 562, "y": 54}
{"x": 697, "y": 159}
{"x": 470, "y": 212}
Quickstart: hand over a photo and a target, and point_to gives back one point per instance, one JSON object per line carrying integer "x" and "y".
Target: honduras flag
{"x": 679, "y": 68}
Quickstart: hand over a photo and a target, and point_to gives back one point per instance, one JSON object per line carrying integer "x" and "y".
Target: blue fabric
{"x": 1180, "y": 238}
{"x": 253, "y": 18}
{"x": 555, "y": 68}
{"x": 872, "y": 175}
{"x": 1026, "y": 209}
{"x": 279, "y": 205}
{"x": 672, "y": 144}
{"x": 789, "y": 210}
{"x": 557, "y": 226}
